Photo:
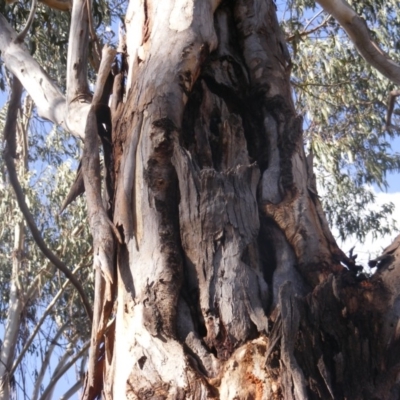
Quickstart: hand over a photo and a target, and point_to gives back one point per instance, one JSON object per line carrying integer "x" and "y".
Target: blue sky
{"x": 366, "y": 251}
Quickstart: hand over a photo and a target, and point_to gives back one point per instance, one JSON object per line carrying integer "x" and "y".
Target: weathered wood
{"x": 224, "y": 235}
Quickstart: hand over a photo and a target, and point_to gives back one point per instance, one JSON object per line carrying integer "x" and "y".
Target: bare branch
{"x": 357, "y": 30}
{"x": 22, "y": 34}
{"x": 306, "y": 33}
{"x": 72, "y": 390}
{"x": 103, "y": 240}
{"x": 46, "y": 360}
{"x": 392, "y": 98}
{"x": 96, "y": 50}
{"x": 37, "y": 236}
{"x": 40, "y": 322}
{"x": 28, "y": 216}
{"x": 77, "y": 63}
{"x": 55, "y": 378}
{"x": 10, "y": 127}
{"x": 100, "y": 224}
{"x": 50, "y": 102}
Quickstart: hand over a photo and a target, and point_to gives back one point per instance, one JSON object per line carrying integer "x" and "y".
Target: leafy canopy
{"x": 344, "y": 101}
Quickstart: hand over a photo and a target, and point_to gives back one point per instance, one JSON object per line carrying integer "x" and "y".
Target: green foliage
{"x": 342, "y": 98}
{"x": 52, "y": 161}
{"x": 344, "y": 101}
{"x": 47, "y": 39}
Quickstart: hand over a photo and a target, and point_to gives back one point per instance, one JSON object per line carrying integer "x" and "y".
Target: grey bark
{"x": 229, "y": 283}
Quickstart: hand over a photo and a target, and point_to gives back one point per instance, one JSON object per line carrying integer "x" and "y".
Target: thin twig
{"x": 46, "y": 360}
{"x": 313, "y": 19}
{"x": 40, "y": 322}
{"x": 305, "y": 33}
{"x": 63, "y": 370}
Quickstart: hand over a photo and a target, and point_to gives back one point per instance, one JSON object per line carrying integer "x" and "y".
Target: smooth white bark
{"x": 50, "y": 102}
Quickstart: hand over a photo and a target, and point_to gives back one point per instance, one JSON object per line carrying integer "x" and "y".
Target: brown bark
{"x": 228, "y": 282}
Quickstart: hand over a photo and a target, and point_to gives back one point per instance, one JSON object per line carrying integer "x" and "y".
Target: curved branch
{"x": 11, "y": 114}
{"x": 50, "y": 102}
{"x": 37, "y": 236}
{"x": 22, "y": 34}
{"x": 357, "y": 30}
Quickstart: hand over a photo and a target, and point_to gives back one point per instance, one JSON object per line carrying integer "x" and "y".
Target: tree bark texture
{"x": 228, "y": 283}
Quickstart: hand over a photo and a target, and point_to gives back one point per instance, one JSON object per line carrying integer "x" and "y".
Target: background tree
{"x": 43, "y": 316}
{"x": 216, "y": 273}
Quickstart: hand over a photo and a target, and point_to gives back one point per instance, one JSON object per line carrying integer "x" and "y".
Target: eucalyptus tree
{"x": 217, "y": 275}
{"x": 44, "y": 327}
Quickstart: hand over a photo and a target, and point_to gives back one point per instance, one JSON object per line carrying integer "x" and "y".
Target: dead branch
{"x": 101, "y": 226}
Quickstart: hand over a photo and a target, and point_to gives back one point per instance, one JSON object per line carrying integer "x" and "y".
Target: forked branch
{"x": 50, "y": 102}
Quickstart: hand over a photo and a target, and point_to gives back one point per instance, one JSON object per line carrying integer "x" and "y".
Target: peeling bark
{"x": 229, "y": 284}
{"x": 225, "y": 281}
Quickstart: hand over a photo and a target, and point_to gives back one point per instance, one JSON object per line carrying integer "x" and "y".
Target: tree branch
{"x": 11, "y": 114}
{"x": 72, "y": 390}
{"x": 46, "y": 360}
{"x": 50, "y": 102}
{"x": 22, "y": 34}
{"x": 305, "y": 32}
{"x": 357, "y": 30}
{"x": 63, "y": 370}
{"x": 37, "y": 236}
{"x": 40, "y": 322}
{"x": 61, "y": 5}
{"x": 100, "y": 224}
{"x": 77, "y": 63}
{"x": 392, "y": 98}
{"x": 96, "y": 50}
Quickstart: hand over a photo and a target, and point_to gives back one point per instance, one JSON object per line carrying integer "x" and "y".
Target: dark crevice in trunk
{"x": 248, "y": 108}
{"x": 162, "y": 180}
{"x": 266, "y": 250}
{"x": 191, "y": 297}
{"x": 124, "y": 272}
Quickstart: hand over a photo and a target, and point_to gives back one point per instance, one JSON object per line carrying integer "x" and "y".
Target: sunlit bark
{"x": 225, "y": 281}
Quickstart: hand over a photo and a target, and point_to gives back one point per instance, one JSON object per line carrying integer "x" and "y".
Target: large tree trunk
{"x": 228, "y": 283}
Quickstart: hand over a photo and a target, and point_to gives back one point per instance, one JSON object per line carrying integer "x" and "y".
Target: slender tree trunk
{"x": 229, "y": 284}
